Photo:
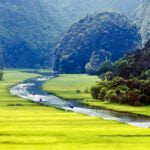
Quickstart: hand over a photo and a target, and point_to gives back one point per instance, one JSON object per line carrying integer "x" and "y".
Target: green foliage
{"x": 93, "y": 40}
{"x": 146, "y": 74}
{"x": 78, "y": 91}
{"x": 122, "y": 68}
{"x": 102, "y": 93}
{"x": 106, "y": 66}
{"x": 111, "y": 95}
{"x": 1, "y": 75}
{"x": 135, "y": 64}
{"x": 132, "y": 91}
{"x": 95, "y": 91}
{"x": 90, "y": 69}
{"x": 107, "y": 76}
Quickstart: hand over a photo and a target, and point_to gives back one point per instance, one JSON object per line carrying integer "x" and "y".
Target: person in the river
{"x": 71, "y": 106}
{"x": 41, "y": 100}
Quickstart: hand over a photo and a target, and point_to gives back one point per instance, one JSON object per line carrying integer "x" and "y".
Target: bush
{"x": 1, "y": 75}
{"x": 78, "y": 91}
{"x": 102, "y": 93}
{"x": 95, "y": 91}
{"x": 122, "y": 68}
{"x": 144, "y": 99}
{"x": 134, "y": 97}
{"x": 107, "y": 76}
{"x": 106, "y": 66}
{"x": 111, "y": 96}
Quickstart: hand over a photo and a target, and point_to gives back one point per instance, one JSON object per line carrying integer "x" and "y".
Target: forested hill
{"x": 109, "y": 35}
{"x": 28, "y": 29}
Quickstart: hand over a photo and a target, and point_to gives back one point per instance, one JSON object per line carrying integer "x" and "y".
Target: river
{"x": 31, "y": 90}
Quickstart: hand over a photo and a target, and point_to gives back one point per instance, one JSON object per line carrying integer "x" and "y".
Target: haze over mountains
{"x": 142, "y": 19}
{"x": 30, "y": 29}
{"x": 80, "y": 8}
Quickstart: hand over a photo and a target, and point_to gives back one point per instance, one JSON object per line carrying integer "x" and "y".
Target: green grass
{"x": 34, "y": 127}
{"x": 139, "y": 110}
{"x": 65, "y": 86}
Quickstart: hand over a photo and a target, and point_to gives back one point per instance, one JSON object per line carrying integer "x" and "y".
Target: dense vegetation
{"x": 127, "y": 81}
{"x": 132, "y": 91}
{"x": 94, "y": 39}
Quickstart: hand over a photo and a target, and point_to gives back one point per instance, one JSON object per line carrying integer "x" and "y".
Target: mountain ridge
{"x": 100, "y": 31}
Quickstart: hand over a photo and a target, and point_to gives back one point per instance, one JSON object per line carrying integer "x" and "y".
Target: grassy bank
{"x": 66, "y": 86}
{"x": 33, "y": 127}
{"x": 71, "y": 86}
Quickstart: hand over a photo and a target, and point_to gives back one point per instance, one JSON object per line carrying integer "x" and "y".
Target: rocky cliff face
{"x": 141, "y": 17}
{"x": 108, "y": 31}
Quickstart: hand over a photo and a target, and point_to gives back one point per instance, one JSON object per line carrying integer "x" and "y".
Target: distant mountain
{"x": 142, "y": 19}
{"x": 28, "y": 29}
{"x": 108, "y": 34}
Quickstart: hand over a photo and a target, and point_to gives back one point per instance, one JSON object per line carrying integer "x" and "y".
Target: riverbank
{"x": 75, "y": 87}
{"x": 29, "y": 126}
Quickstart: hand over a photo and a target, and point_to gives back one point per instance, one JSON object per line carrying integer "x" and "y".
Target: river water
{"x": 31, "y": 89}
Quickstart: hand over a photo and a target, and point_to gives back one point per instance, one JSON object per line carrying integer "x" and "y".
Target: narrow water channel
{"x": 31, "y": 89}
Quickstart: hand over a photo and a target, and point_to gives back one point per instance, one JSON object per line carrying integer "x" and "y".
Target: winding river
{"x": 31, "y": 89}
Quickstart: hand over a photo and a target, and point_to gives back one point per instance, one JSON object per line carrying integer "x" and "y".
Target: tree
{"x": 122, "y": 68}
{"x": 106, "y": 66}
{"x": 107, "y": 76}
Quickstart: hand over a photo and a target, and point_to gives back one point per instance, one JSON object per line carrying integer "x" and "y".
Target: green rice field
{"x": 28, "y": 126}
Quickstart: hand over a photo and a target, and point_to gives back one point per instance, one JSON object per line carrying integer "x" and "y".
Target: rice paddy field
{"x": 28, "y": 126}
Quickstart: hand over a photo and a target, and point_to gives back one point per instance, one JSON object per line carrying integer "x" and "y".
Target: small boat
{"x": 71, "y": 106}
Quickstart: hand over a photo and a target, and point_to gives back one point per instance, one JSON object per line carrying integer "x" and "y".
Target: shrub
{"x": 107, "y": 76}
{"x": 78, "y": 91}
{"x": 106, "y": 66}
{"x": 102, "y": 93}
{"x": 1, "y": 75}
{"x": 122, "y": 68}
{"x": 95, "y": 91}
{"x": 111, "y": 96}
{"x": 144, "y": 99}
{"x": 134, "y": 97}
